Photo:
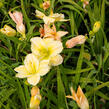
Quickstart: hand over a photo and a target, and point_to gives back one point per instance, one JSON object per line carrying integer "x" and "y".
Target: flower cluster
{"x": 45, "y": 51}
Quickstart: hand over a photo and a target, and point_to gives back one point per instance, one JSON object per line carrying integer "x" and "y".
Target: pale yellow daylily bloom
{"x": 47, "y": 49}
{"x": 7, "y": 30}
{"x": 32, "y": 69}
{"x": 35, "y": 98}
{"x": 51, "y": 32}
{"x": 80, "y": 98}
{"x": 51, "y": 18}
{"x": 76, "y": 40}
{"x": 17, "y": 17}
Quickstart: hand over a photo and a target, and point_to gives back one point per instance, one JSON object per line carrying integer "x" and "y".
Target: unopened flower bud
{"x": 96, "y": 26}
{"x": 7, "y": 30}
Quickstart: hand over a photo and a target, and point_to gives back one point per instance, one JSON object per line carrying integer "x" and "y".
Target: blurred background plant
{"x": 86, "y": 65}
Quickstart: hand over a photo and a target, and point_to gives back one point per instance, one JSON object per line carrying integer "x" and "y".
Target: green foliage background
{"x": 92, "y": 76}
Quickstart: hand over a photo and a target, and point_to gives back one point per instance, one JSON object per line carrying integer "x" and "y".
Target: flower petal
{"x": 54, "y": 46}
{"x": 60, "y": 34}
{"x": 43, "y": 68}
{"x": 22, "y": 71}
{"x": 36, "y": 44}
{"x": 31, "y": 63}
{"x": 39, "y": 14}
{"x": 34, "y": 79}
{"x": 48, "y": 20}
{"x": 56, "y": 60}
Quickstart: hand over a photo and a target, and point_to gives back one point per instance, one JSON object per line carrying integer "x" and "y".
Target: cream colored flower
{"x": 76, "y": 40}
{"x": 35, "y": 98}
{"x": 32, "y": 69}
{"x": 47, "y": 49}
{"x": 8, "y": 31}
{"x": 17, "y": 17}
{"x": 80, "y": 98}
{"x": 51, "y": 18}
{"x": 51, "y": 32}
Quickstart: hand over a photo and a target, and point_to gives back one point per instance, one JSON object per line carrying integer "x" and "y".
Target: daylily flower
{"x": 85, "y": 3}
{"x": 47, "y": 49}
{"x": 51, "y": 18}
{"x": 17, "y": 17}
{"x": 35, "y": 98}
{"x": 80, "y": 98}
{"x": 51, "y": 32}
{"x": 8, "y": 31}
{"x": 76, "y": 40}
{"x": 32, "y": 69}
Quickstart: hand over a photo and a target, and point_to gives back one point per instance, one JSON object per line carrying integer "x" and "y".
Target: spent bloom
{"x": 7, "y": 30}
{"x": 32, "y": 69}
{"x": 17, "y": 17}
{"x": 53, "y": 17}
{"x": 80, "y": 98}
{"x": 76, "y": 40}
{"x": 51, "y": 32}
{"x": 47, "y": 49}
{"x": 46, "y": 4}
{"x": 35, "y": 98}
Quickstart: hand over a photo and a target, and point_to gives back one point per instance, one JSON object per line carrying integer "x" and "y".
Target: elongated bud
{"x": 7, "y": 30}
{"x": 17, "y": 17}
{"x": 35, "y": 98}
{"x": 96, "y": 26}
{"x": 76, "y": 40}
{"x": 21, "y": 29}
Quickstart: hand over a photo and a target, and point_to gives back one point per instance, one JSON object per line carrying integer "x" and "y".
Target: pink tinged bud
{"x": 17, "y": 17}
{"x": 76, "y": 40}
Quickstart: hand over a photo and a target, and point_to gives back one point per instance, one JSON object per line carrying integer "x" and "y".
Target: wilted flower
{"x": 8, "y": 31}
{"x": 47, "y": 49}
{"x": 35, "y": 98}
{"x": 48, "y": 32}
{"x": 51, "y": 18}
{"x": 85, "y": 3}
{"x": 32, "y": 69}
{"x": 76, "y": 40}
{"x": 17, "y": 17}
{"x": 46, "y": 4}
{"x": 80, "y": 98}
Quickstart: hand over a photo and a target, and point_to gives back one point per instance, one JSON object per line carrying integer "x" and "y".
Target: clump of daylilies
{"x": 45, "y": 51}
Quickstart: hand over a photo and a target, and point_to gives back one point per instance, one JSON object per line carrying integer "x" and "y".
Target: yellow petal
{"x": 56, "y": 60}
{"x": 22, "y": 71}
{"x": 43, "y": 68}
{"x": 54, "y": 46}
{"x": 48, "y": 20}
{"x": 34, "y": 79}
{"x": 39, "y": 14}
{"x": 31, "y": 63}
{"x": 60, "y": 34}
{"x": 36, "y": 44}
